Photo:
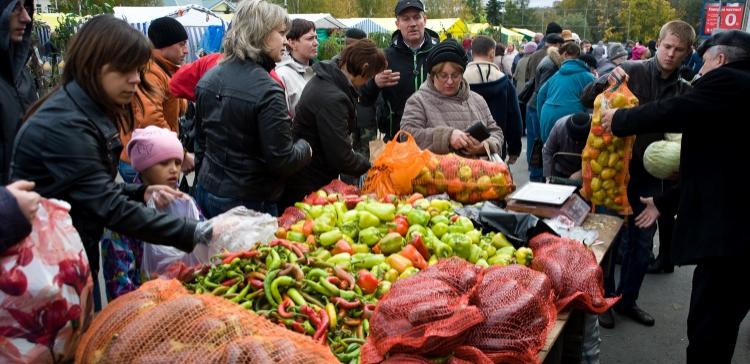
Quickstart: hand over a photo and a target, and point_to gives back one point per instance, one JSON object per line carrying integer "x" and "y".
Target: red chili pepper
{"x": 242, "y": 255}
{"x": 229, "y": 282}
{"x": 296, "y": 326}
{"x": 454, "y": 218}
{"x": 369, "y": 310}
{"x": 411, "y": 253}
{"x": 322, "y": 329}
{"x": 334, "y": 280}
{"x": 311, "y": 315}
{"x": 345, "y": 276}
{"x": 345, "y": 304}
{"x": 282, "y": 308}
{"x": 414, "y": 198}
{"x": 256, "y": 284}
{"x": 289, "y": 246}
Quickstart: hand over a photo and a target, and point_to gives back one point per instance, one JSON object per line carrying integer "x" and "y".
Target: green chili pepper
{"x": 369, "y": 236}
{"x": 309, "y": 329}
{"x": 209, "y": 284}
{"x": 273, "y": 260}
{"x": 296, "y": 296}
{"x": 347, "y": 295}
{"x": 232, "y": 289}
{"x": 220, "y": 290}
{"x": 316, "y": 273}
{"x": 366, "y": 260}
{"x": 241, "y": 295}
{"x": 280, "y": 281}
{"x": 334, "y": 291}
{"x": 247, "y": 305}
{"x": 383, "y": 211}
{"x": 317, "y": 287}
{"x": 267, "y": 286}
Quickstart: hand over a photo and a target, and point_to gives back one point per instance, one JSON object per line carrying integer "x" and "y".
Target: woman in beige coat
{"x": 444, "y": 107}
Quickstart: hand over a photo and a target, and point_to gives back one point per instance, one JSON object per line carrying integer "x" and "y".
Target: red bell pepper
{"x": 367, "y": 281}
{"x": 402, "y": 225}
{"x": 416, "y": 258}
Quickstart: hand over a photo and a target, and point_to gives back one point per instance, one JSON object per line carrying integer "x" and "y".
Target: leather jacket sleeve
{"x": 90, "y": 189}
{"x": 331, "y": 120}
{"x": 284, "y": 155}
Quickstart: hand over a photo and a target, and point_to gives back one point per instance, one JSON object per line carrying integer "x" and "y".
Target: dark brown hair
{"x": 105, "y": 40}
{"x": 299, "y": 28}
{"x": 363, "y": 58}
{"x": 571, "y": 48}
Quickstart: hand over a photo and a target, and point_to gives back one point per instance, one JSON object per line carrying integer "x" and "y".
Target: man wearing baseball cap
{"x": 708, "y": 232}
{"x": 158, "y": 106}
{"x": 406, "y": 54}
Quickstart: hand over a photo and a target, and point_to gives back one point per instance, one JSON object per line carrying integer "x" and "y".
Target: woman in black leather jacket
{"x": 70, "y": 144}
{"x": 243, "y": 130}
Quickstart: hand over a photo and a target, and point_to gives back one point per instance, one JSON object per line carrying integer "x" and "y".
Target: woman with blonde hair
{"x": 243, "y": 130}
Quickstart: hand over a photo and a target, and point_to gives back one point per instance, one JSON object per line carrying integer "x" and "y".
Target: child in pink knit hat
{"x": 157, "y": 155}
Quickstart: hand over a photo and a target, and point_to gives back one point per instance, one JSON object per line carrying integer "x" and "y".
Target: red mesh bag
{"x": 162, "y": 323}
{"x": 290, "y": 216}
{"x": 606, "y": 158}
{"x": 426, "y": 314}
{"x": 576, "y": 277}
{"x": 519, "y": 307}
{"x": 337, "y": 186}
{"x": 465, "y": 180}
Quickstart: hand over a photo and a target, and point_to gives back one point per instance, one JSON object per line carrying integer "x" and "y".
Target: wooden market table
{"x": 607, "y": 227}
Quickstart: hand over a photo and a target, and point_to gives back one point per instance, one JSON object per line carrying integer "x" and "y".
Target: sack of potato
{"x": 606, "y": 157}
{"x": 465, "y": 180}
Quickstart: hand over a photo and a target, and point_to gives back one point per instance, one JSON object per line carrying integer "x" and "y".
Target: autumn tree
{"x": 472, "y": 11}
{"x": 493, "y": 12}
{"x": 641, "y": 19}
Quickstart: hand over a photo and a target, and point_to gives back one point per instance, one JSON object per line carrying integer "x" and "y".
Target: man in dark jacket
{"x": 486, "y": 79}
{"x": 409, "y": 47}
{"x": 650, "y": 80}
{"x": 17, "y": 90}
{"x": 710, "y": 231}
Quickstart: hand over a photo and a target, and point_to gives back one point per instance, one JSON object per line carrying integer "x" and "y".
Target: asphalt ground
{"x": 667, "y": 298}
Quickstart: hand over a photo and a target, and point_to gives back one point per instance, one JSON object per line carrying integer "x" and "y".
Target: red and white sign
{"x": 727, "y": 16}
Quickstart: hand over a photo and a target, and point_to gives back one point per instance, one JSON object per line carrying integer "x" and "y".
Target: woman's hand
{"x": 649, "y": 215}
{"x": 162, "y": 195}
{"x": 475, "y": 147}
{"x": 27, "y": 199}
{"x": 460, "y": 139}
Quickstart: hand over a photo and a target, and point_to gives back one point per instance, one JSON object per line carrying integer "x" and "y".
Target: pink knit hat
{"x": 153, "y": 145}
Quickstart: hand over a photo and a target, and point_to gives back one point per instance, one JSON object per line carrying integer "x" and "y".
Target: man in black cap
{"x": 568, "y": 137}
{"x": 410, "y": 44}
{"x": 709, "y": 203}
{"x": 160, "y": 108}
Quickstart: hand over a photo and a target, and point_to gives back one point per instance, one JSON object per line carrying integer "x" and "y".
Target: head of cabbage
{"x": 662, "y": 159}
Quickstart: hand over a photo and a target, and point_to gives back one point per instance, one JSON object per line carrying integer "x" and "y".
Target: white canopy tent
{"x": 365, "y": 24}
{"x": 321, "y": 20}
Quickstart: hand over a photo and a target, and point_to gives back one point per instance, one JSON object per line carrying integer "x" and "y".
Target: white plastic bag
{"x": 240, "y": 229}
{"x": 157, "y": 258}
{"x": 46, "y": 297}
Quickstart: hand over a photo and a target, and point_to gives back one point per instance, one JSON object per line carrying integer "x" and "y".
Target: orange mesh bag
{"x": 426, "y": 314}
{"x": 577, "y": 279}
{"x": 519, "y": 307}
{"x": 465, "y": 180}
{"x": 396, "y": 167}
{"x": 606, "y": 158}
{"x": 162, "y": 323}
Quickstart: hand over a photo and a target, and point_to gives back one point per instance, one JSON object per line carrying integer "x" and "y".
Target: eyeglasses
{"x": 442, "y": 76}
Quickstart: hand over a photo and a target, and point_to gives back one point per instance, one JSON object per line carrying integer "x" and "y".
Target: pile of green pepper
{"x": 323, "y": 277}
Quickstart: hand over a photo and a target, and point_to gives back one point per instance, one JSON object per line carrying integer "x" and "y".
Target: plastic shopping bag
{"x": 158, "y": 258}
{"x": 45, "y": 290}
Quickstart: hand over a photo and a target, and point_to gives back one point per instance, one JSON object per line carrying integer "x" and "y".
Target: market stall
{"x": 364, "y": 24}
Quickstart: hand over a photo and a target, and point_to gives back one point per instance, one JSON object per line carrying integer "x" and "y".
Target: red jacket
{"x": 184, "y": 81}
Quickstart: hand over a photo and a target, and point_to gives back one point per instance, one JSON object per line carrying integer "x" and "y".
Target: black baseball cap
{"x": 405, "y": 4}
{"x": 734, "y": 38}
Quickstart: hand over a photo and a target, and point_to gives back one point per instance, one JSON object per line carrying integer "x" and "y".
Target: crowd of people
{"x": 263, "y": 124}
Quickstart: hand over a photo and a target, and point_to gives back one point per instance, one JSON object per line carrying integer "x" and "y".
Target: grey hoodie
{"x": 17, "y": 90}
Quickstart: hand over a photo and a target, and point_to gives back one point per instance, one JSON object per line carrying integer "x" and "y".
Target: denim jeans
{"x": 212, "y": 205}
{"x": 127, "y": 172}
{"x": 638, "y": 246}
{"x": 532, "y": 133}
